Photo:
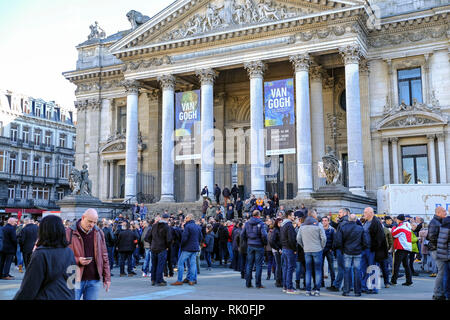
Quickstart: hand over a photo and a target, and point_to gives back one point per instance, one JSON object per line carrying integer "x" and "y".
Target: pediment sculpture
{"x": 96, "y": 32}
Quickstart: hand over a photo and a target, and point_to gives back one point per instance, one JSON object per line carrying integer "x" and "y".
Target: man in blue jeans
{"x": 190, "y": 246}
{"x": 146, "y": 267}
{"x": 255, "y": 235}
{"x": 288, "y": 256}
{"x": 336, "y": 285}
{"x": 351, "y": 240}
{"x": 311, "y": 236}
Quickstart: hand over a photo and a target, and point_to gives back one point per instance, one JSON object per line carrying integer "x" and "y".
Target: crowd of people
{"x": 299, "y": 249}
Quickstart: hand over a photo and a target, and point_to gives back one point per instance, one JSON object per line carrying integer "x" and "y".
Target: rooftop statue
{"x": 136, "y": 18}
{"x": 96, "y": 32}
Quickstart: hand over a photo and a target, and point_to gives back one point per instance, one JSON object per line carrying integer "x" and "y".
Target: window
{"x": 11, "y": 191}
{"x": 36, "y": 161}
{"x": 14, "y": 131}
{"x": 64, "y": 168}
{"x": 23, "y": 192}
{"x": 60, "y": 194}
{"x": 47, "y": 165}
{"x": 48, "y": 112}
{"x": 12, "y": 163}
{"x": 37, "y": 110}
{"x": 24, "y": 165}
{"x": 415, "y": 164}
{"x": 62, "y": 140}
{"x": 2, "y": 160}
{"x": 37, "y": 136}
{"x": 48, "y": 138}
{"x": 40, "y": 193}
{"x": 26, "y": 134}
{"x": 410, "y": 85}
{"x": 122, "y": 120}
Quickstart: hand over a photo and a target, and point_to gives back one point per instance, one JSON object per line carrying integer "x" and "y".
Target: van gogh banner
{"x": 187, "y": 125}
{"x": 279, "y": 117}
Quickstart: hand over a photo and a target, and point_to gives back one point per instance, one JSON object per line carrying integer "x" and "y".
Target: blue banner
{"x": 187, "y": 125}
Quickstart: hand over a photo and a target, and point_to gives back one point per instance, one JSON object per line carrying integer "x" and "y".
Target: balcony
{"x": 23, "y": 178}
{"x": 67, "y": 151}
{"x": 31, "y": 203}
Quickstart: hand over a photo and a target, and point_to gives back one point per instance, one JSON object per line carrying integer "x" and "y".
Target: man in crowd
{"x": 327, "y": 251}
{"x": 432, "y": 237}
{"x": 312, "y": 238}
{"x": 190, "y": 246}
{"x": 289, "y": 251}
{"x": 255, "y": 235}
{"x": 143, "y": 212}
{"x": 9, "y": 248}
{"x": 217, "y": 192}
{"x": 27, "y": 240}
{"x": 148, "y": 254}
{"x": 351, "y": 241}
{"x": 160, "y": 238}
{"x": 239, "y": 207}
{"x": 135, "y": 211}
{"x": 110, "y": 241}
{"x": 402, "y": 247}
{"x": 126, "y": 245}
{"x": 234, "y": 192}
{"x": 226, "y": 196}
{"x": 342, "y": 220}
{"x": 88, "y": 244}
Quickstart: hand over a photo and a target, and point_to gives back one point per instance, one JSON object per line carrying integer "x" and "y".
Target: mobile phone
{"x": 88, "y": 258}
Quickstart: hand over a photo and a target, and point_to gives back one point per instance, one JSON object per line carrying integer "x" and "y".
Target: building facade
{"x": 37, "y": 141}
{"x": 371, "y": 83}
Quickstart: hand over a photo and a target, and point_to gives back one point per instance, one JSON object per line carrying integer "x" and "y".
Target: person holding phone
{"x": 87, "y": 242}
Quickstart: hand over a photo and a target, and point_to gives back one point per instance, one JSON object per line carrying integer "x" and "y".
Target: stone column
{"x": 207, "y": 128}
{"x": 167, "y": 143}
{"x": 386, "y": 169}
{"x": 257, "y": 157}
{"x": 394, "y": 142}
{"x": 111, "y": 179}
{"x": 317, "y": 123}
{"x": 190, "y": 181}
{"x": 131, "y": 156}
{"x": 432, "y": 158}
{"x": 442, "y": 162}
{"x": 301, "y": 64}
{"x": 81, "y": 107}
{"x": 351, "y": 55}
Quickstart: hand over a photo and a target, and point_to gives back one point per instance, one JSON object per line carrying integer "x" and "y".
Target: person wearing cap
{"x": 402, "y": 247}
{"x": 160, "y": 238}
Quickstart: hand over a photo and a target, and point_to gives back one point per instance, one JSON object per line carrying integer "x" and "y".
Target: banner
{"x": 279, "y": 117}
{"x": 187, "y": 125}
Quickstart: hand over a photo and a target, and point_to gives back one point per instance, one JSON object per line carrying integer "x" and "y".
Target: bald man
{"x": 432, "y": 237}
{"x": 87, "y": 241}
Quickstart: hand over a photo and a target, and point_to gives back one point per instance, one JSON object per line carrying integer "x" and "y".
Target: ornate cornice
{"x": 138, "y": 65}
{"x": 316, "y": 73}
{"x": 351, "y": 53}
{"x": 440, "y": 136}
{"x": 255, "y": 69}
{"x": 167, "y": 82}
{"x": 88, "y": 104}
{"x": 431, "y": 137}
{"x": 207, "y": 76}
{"x": 328, "y": 83}
{"x": 131, "y": 86}
{"x": 301, "y": 62}
{"x": 394, "y": 140}
{"x": 364, "y": 67}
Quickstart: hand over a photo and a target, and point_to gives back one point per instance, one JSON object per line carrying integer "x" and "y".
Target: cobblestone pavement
{"x": 223, "y": 284}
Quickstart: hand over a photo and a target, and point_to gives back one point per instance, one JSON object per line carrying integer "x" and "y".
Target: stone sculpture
{"x": 136, "y": 18}
{"x": 331, "y": 166}
{"x": 79, "y": 182}
{"x": 96, "y": 32}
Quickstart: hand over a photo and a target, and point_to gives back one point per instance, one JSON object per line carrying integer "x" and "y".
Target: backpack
{"x": 1, "y": 238}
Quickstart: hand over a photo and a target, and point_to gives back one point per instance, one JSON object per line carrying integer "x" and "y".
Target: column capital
{"x": 328, "y": 83}
{"x": 440, "y": 136}
{"x": 206, "y": 75}
{"x": 255, "y": 69}
{"x": 167, "y": 82}
{"x": 301, "y": 62}
{"x": 394, "y": 140}
{"x": 351, "y": 53}
{"x": 316, "y": 73}
{"x": 384, "y": 140}
{"x": 431, "y": 137}
{"x": 131, "y": 86}
{"x": 94, "y": 104}
{"x": 81, "y": 105}
{"x": 364, "y": 67}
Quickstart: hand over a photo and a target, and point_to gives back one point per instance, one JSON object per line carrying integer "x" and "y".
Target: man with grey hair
{"x": 27, "y": 239}
{"x": 87, "y": 242}
{"x": 9, "y": 248}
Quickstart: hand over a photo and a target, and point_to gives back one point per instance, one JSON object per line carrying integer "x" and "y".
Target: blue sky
{"x": 38, "y": 39}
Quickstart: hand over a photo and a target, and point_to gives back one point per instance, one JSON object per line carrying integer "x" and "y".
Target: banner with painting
{"x": 187, "y": 125}
{"x": 279, "y": 117}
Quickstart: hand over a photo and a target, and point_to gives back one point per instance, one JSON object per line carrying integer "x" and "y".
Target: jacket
{"x": 222, "y": 234}
{"x": 143, "y": 235}
{"x": 433, "y": 232}
{"x": 226, "y": 192}
{"x": 415, "y": 248}
{"x": 126, "y": 241}
{"x": 378, "y": 243}
{"x": 205, "y": 191}
{"x": 217, "y": 192}
{"x": 350, "y": 238}
{"x": 275, "y": 239}
{"x": 230, "y": 233}
{"x": 9, "y": 239}
{"x": 100, "y": 252}
{"x": 402, "y": 237}
{"x": 255, "y": 233}
{"x": 423, "y": 241}
{"x": 160, "y": 237}
{"x": 311, "y": 236}
{"x": 288, "y": 235}
{"x": 242, "y": 243}
{"x": 330, "y": 238}
{"x": 48, "y": 275}
{"x": 210, "y": 212}
{"x": 239, "y": 205}
{"x": 234, "y": 235}
{"x": 1, "y": 238}
{"x": 443, "y": 244}
{"x": 209, "y": 242}
{"x": 234, "y": 191}
{"x": 389, "y": 238}
{"x": 191, "y": 237}
{"x": 110, "y": 239}
{"x": 28, "y": 237}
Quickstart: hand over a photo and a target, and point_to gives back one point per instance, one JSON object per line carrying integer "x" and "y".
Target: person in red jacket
{"x": 402, "y": 247}
{"x": 230, "y": 242}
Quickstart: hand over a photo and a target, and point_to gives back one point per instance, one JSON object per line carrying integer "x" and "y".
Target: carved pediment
{"x": 117, "y": 143}
{"x": 412, "y": 118}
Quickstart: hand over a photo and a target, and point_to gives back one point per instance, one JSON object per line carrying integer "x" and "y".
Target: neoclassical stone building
{"x": 371, "y": 82}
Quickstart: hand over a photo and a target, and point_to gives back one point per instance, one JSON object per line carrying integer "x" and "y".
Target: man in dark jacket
{"x": 289, "y": 245}
{"x": 275, "y": 244}
{"x": 234, "y": 192}
{"x": 432, "y": 237}
{"x": 377, "y": 249}
{"x": 239, "y": 207}
{"x": 223, "y": 243}
{"x": 217, "y": 193}
{"x": 226, "y": 196}
{"x": 126, "y": 244}
{"x": 327, "y": 251}
{"x": 351, "y": 240}
{"x": 190, "y": 246}
{"x": 343, "y": 219}
{"x": 160, "y": 238}
{"x": 235, "y": 247}
{"x": 9, "y": 248}
{"x": 110, "y": 241}
{"x": 256, "y": 236}
{"x": 27, "y": 239}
